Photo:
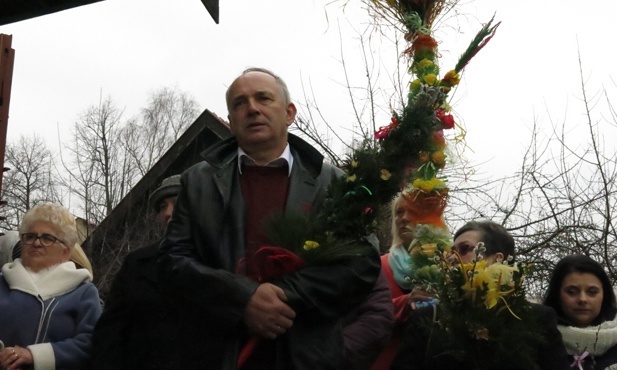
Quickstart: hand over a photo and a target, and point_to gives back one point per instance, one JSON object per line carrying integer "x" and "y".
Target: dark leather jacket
{"x": 205, "y": 241}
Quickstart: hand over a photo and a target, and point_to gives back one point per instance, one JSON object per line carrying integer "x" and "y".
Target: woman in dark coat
{"x": 427, "y": 346}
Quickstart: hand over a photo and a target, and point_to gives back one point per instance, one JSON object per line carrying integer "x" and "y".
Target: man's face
{"x": 259, "y": 115}
{"x": 166, "y": 208}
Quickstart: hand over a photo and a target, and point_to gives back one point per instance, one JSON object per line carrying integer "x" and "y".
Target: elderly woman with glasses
{"x": 48, "y": 307}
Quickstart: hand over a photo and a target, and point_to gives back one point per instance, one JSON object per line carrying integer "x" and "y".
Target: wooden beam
{"x": 7, "y": 58}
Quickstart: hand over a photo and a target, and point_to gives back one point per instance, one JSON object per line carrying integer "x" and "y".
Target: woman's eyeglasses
{"x": 46, "y": 239}
{"x": 463, "y": 249}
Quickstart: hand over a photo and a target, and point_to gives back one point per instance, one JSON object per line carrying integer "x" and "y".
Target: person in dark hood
{"x": 143, "y": 327}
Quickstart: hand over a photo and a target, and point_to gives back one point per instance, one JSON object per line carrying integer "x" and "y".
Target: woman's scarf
{"x": 594, "y": 339}
{"x": 400, "y": 263}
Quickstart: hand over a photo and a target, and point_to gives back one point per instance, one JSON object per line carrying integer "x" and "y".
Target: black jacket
{"x": 143, "y": 328}
{"x": 205, "y": 240}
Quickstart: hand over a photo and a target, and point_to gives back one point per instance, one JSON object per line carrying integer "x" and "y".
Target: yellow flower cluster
{"x": 497, "y": 277}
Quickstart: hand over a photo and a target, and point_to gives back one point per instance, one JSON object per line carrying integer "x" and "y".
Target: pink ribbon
{"x": 578, "y": 360}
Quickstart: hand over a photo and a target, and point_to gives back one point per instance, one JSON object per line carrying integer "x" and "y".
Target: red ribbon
{"x": 384, "y": 130}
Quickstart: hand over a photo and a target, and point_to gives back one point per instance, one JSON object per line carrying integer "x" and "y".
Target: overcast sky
{"x": 127, "y": 48}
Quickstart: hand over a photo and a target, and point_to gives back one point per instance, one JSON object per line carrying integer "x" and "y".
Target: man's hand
{"x": 266, "y": 313}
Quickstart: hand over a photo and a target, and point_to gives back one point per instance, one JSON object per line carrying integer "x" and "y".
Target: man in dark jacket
{"x": 218, "y": 221}
{"x": 141, "y": 327}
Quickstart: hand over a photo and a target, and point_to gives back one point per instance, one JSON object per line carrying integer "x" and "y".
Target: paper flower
{"x": 309, "y": 244}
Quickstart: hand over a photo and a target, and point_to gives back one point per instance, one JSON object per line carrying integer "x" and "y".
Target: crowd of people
{"x": 188, "y": 302}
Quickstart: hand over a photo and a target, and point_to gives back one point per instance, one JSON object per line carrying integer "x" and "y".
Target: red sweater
{"x": 265, "y": 193}
{"x": 401, "y": 314}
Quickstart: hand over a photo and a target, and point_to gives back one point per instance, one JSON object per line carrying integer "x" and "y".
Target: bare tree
{"x": 108, "y": 154}
{"x": 370, "y": 100}
{"x": 98, "y": 173}
{"x": 563, "y": 199}
{"x": 167, "y": 115}
{"x": 31, "y": 179}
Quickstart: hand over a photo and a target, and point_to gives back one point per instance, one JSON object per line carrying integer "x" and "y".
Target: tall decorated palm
{"x": 484, "y": 318}
{"x": 409, "y": 154}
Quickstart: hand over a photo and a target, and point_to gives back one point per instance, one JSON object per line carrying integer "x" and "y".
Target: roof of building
{"x": 130, "y": 225}
{"x": 18, "y": 10}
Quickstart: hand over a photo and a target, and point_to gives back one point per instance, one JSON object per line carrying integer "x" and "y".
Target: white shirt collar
{"x": 284, "y": 158}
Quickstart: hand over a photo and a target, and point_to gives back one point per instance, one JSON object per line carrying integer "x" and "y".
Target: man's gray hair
{"x": 286, "y": 95}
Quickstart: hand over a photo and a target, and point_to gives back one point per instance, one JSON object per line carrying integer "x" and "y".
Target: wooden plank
{"x": 7, "y": 59}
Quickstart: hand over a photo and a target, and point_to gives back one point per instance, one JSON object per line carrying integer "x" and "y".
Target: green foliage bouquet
{"x": 483, "y": 320}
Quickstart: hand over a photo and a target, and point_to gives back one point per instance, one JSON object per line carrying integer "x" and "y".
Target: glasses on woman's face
{"x": 463, "y": 249}
{"x": 45, "y": 239}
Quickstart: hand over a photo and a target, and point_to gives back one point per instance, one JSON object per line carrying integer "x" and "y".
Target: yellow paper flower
{"x": 385, "y": 175}
{"x": 438, "y": 157}
{"x": 351, "y": 178}
{"x": 424, "y": 63}
{"x": 309, "y": 244}
{"x": 354, "y": 164}
{"x": 451, "y": 78}
{"x": 415, "y": 84}
{"x": 428, "y": 185}
{"x": 506, "y": 272}
{"x": 497, "y": 278}
{"x": 492, "y": 297}
{"x": 468, "y": 268}
{"x": 430, "y": 79}
{"x": 429, "y": 249}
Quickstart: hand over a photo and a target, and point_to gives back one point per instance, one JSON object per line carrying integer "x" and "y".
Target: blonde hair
{"x": 79, "y": 258}
{"x": 396, "y": 238}
{"x": 56, "y": 215}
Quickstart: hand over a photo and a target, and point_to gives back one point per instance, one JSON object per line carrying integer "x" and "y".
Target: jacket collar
{"x": 60, "y": 279}
{"x": 224, "y": 152}
{"x": 303, "y": 187}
